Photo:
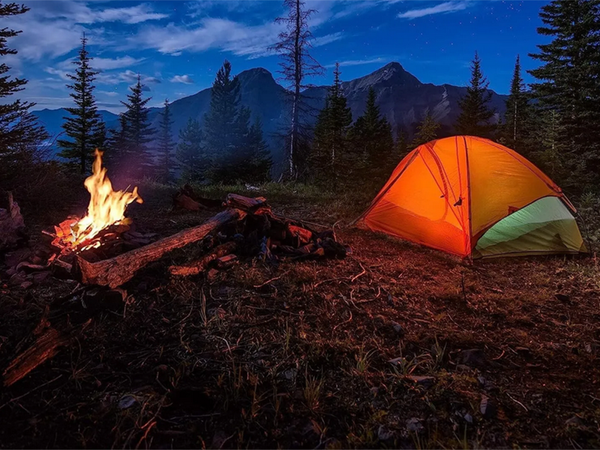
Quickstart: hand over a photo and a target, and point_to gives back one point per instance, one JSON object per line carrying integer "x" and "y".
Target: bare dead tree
{"x": 297, "y": 64}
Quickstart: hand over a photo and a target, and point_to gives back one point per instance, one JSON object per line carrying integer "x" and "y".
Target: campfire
{"x": 105, "y": 216}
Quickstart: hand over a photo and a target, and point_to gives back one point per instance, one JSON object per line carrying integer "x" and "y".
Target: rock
{"x": 26, "y": 284}
{"x": 384, "y": 434}
{"x": 397, "y": 327}
{"x": 473, "y": 357}
{"x": 424, "y": 381}
{"x": 414, "y": 425}
{"x": 487, "y": 407}
{"x": 290, "y": 374}
{"x": 127, "y": 401}
{"x": 468, "y": 418}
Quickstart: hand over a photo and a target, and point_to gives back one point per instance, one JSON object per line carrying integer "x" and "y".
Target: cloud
{"x": 129, "y": 76}
{"x": 358, "y": 62}
{"x": 81, "y": 13}
{"x": 63, "y": 74}
{"x": 442, "y": 8}
{"x": 185, "y": 79}
{"x": 54, "y": 28}
{"x": 327, "y": 39}
{"x": 115, "y": 63}
{"x": 109, "y": 93}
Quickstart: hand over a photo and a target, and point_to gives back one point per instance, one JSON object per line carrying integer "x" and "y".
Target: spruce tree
{"x": 569, "y": 84}
{"x": 475, "y": 115}
{"x": 401, "y": 144}
{"x": 426, "y": 131}
{"x": 117, "y": 144}
{"x": 138, "y": 133}
{"x": 331, "y": 159}
{"x": 372, "y": 136}
{"x": 221, "y": 124}
{"x": 82, "y": 127}
{"x": 166, "y": 145}
{"x": 260, "y": 162}
{"x": 20, "y": 135}
{"x": 517, "y": 128}
{"x": 191, "y": 153}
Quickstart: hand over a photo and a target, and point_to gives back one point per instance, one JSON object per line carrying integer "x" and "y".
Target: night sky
{"x": 177, "y": 46}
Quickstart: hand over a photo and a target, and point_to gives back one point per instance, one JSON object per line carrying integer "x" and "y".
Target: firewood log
{"x": 197, "y": 267}
{"x": 116, "y": 271}
{"x": 247, "y": 204}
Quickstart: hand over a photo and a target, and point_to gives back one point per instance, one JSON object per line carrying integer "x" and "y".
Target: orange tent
{"x": 474, "y": 198}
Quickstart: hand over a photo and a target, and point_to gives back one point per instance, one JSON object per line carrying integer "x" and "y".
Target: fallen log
{"x": 116, "y": 271}
{"x": 63, "y": 321}
{"x": 200, "y": 266}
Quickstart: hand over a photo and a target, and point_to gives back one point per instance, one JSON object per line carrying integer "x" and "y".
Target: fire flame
{"x": 106, "y": 208}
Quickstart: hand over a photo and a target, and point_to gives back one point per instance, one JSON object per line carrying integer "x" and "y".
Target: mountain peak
{"x": 390, "y": 75}
{"x": 256, "y": 75}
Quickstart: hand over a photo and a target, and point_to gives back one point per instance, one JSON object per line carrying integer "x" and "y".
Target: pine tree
{"x": 83, "y": 126}
{"x": 20, "y": 135}
{"x": 166, "y": 145}
{"x": 138, "y": 133}
{"x": 372, "y": 136}
{"x": 517, "y": 128}
{"x": 426, "y": 131}
{"x": 296, "y": 66}
{"x": 331, "y": 158}
{"x": 191, "y": 152}
{"x": 569, "y": 84}
{"x": 221, "y": 123}
{"x": 475, "y": 115}
{"x": 117, "y": 144}
{"x": 260, "y": 162}
{"x": 100, "y": 137}
{"x": 401, "y": 144}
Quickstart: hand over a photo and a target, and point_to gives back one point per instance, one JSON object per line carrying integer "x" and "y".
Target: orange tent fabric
{"x": 447, "y": 193}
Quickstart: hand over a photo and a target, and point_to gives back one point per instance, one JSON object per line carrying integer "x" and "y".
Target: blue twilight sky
{"x": 177, "y": 46}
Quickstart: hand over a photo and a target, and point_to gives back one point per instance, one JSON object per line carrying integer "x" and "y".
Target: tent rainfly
{"x": 474, "y": 198}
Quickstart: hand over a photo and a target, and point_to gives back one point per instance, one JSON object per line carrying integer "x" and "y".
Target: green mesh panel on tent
{"x": 545, "y": 226}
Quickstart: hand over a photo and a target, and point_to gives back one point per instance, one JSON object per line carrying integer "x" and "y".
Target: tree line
{"x": 228, "y": 148}
{"x": 551, "y": 121}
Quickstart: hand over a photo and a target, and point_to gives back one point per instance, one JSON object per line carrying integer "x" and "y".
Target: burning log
{"x": 200, "y": 266}
{"x": 116, "y": 271}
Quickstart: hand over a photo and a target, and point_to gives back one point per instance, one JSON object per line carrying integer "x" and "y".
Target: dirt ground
{"x": 394, "y": 346}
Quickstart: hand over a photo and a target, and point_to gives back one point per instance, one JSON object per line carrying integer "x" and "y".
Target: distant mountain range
{"x": 402, "y": 98}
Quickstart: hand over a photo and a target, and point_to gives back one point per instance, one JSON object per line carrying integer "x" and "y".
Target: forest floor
{"x": 394, "y": 346}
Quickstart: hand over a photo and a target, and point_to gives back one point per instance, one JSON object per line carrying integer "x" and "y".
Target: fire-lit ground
{"x": 299, "y": 356}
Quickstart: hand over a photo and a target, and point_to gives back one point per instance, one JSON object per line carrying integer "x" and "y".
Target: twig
{"x": 360, "y": 274}
{"x": 270, "y": 281}
{"x": 29, "y": 392}
{"x": 517, "y": 402}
